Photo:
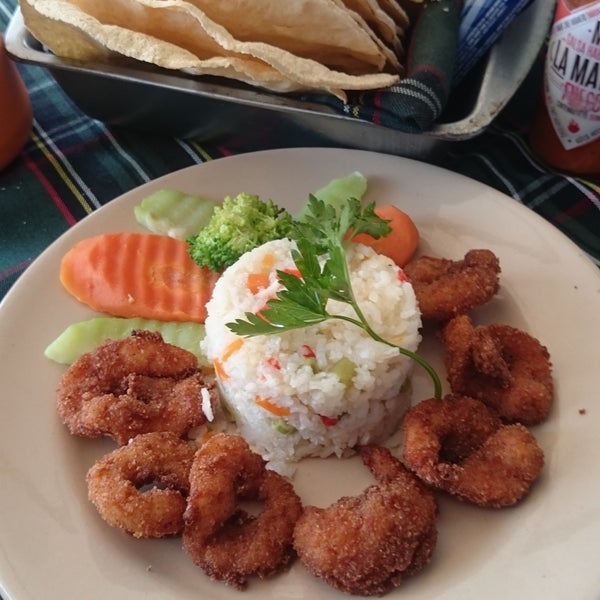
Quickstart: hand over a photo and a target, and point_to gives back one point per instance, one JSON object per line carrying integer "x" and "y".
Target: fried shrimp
{"x": 369, "y": 543}
{"x": 134, "y": 385}
{"x": 227, "y": 542}
{"x": 460, "y": 446}
{"x": 504, "y": 367}
{"x": 445, "y": 288}
{"x": 142, "y": 487}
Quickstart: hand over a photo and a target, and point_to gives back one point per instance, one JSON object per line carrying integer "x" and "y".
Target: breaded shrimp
{"x": 504, "y": 367}
{"x": 134, "y": 385}
{"x": 369, "y": 543}
{"x": 228, "y": 543}
{"x": 459, "y": 445}
{"x": 445, "y": 288}
{"x": 142, "y": 487}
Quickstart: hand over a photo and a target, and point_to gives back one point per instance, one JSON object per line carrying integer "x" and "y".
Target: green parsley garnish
{"x": 323, "y": 232}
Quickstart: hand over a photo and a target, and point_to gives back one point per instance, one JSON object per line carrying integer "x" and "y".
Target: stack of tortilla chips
{"x": 279, "y": 45}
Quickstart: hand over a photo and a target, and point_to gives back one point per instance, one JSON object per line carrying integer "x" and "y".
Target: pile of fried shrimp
{"x": 475, "y": 444}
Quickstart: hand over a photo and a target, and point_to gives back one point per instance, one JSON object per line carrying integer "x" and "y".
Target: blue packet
{"x": 482, "y": 23}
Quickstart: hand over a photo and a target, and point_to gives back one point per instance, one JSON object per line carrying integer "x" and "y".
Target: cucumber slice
{"x": 345, "y": 370}
{"x": 84, "y": 336}
{"x": 337, "y": 191}
{"x": 174, "y": 213}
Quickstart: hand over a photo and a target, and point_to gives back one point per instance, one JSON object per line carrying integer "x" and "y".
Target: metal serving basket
{"x": 206, "y": 108}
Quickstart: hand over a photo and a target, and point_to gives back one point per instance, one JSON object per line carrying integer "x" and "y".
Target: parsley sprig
{"x": 323, "y": 232}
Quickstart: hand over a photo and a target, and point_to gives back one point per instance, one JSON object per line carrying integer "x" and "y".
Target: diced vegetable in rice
{"x": 320, "y": 390}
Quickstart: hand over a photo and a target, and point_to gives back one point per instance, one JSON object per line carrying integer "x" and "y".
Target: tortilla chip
{"x": 62, "y": 38}
{"x": 320, "y": 30}
{"x": 379, "y": 21}
{"x": 166, "y": 19}
{"x": 412, "y": 8}
{"x": 397, "y": 12}
{"x": 70, "y": 33}
{"x": 190, "y": 42}
{"x": 392, "y": 61}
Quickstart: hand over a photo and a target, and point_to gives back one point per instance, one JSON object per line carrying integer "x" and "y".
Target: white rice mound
{"x": 309, "y": 411}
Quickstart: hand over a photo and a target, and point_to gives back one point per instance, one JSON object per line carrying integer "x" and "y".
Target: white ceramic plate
{"x": 53, "y": 544}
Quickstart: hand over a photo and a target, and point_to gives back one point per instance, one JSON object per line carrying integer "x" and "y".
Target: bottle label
{"x": 572, "y": 74}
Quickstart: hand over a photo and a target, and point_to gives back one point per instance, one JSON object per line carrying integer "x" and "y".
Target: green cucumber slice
{"x": 84, "y": 336}
{"x": 174, "y": 213}
{"x": 337, "y": 191}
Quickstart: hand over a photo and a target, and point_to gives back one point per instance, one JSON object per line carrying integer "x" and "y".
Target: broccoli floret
{"x": 238, "y": 225}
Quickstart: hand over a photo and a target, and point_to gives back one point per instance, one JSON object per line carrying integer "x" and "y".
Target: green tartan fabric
{"x": 414, "y": 104}
{"x": 73, "y": 164}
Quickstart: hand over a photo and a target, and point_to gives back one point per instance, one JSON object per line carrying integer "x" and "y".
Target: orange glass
{"x": 16, "y": 115}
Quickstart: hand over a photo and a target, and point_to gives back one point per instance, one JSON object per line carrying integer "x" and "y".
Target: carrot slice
{"x": 218, "y": 365}
{"x": 232, "y": 348}
{"x": 138, "y": 275}
{"x": 257, "y": 281}
{"x": 220, "y": 371}
{"x": 401, "y": 243}
{"x": 267, "y": 404}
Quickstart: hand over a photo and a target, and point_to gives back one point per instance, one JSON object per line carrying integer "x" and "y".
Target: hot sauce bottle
{"x": 565, "y": 132}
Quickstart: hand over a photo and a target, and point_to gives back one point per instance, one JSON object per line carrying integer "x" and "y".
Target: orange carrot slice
{"x": 401, "y": 243}
{"x": 256, "y": 282}
{"x": 232, "y": 348}
{"x": 138, "y": 275}
{"x": 268, "y": 404}
{"x": 220, "y": 371}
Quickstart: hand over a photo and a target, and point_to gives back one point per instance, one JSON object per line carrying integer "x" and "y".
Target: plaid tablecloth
{"x": 73, "y": 164}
